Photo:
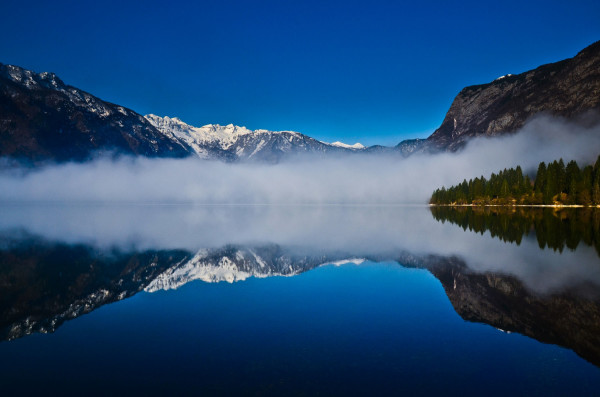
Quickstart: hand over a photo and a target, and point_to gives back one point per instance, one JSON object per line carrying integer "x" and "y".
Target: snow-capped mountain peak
{"x": 356, "y": 146}
{"x": 225, "y": 135}
{"x": 200, "y": 139}
{"x": 231, "y": 142}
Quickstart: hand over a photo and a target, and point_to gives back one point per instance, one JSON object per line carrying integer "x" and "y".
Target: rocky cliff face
{"x": 567, "y": 88}
{"x": 43, "y": 119}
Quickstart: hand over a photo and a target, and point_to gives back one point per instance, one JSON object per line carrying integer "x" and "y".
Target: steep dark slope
{"x": 42, "y": 119}
{"x": 567, "y": 88}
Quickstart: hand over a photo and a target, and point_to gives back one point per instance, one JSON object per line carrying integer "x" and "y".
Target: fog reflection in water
{"x": 337, "y": 231}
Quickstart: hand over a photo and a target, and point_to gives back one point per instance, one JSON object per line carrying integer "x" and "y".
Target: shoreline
{"x": 518, "y": 205}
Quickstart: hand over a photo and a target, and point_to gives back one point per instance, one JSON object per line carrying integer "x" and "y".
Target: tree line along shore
{"x": 554, "y": 184}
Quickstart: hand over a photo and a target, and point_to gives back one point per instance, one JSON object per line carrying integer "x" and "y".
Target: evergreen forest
{"x": 553, "y": 184}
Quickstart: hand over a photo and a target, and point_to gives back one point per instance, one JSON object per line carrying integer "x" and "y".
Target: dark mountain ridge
{"x": 568, "y": 88}
{"x": 43, "y": 119}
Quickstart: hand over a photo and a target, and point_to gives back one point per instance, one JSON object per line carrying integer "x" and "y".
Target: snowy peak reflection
{"x": 235, "y": 263}
{"x": 45, "y": 283}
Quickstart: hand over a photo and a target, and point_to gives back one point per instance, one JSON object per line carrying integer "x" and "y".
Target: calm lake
{"x": 293, "y": 300}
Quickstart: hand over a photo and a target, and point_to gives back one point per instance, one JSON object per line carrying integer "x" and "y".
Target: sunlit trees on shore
{"x": 553, "y": 184}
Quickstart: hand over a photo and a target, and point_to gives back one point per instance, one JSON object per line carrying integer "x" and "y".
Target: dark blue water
{"x": 184, "y": 300}
{"x": 373, "y": 329}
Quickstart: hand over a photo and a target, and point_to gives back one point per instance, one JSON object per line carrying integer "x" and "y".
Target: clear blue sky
{"x": 369, "y": 71}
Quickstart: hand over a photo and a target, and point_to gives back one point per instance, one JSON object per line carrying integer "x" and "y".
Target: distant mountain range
{"x": 42, "y": 119}
{"x": 232, "y": 143}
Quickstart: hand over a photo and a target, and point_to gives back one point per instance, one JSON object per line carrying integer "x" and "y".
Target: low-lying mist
{"x": 350, "y": 179}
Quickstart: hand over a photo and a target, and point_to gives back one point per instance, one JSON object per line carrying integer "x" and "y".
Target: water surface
{"x": 297, "y": 300}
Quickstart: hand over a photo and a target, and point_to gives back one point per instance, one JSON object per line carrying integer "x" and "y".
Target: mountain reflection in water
{"x": 533, "y": 287}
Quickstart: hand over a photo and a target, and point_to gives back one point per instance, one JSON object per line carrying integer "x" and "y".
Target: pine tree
{"x": 527, "y": 186}
{"x": 572, "y": 174}
{"x": 572, "y": 193}
{"x": 540, "y": 178}
{"x": 504, "y": 190}
{"x": 585, "y": 186}
{"x": 518, "y": 184}
{"x": 550, "y": 183}
{"x": 572, "y": 178}
{"x": 560, "y": 177}
{"x": 596, "y": 192}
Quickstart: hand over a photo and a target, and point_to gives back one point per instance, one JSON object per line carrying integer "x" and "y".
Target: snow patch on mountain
{"x": 356, "y": 146}
{"x": 503, "y": 77}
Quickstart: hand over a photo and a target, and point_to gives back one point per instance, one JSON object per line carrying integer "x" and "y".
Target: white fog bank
{"x": 352, "y": 179}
